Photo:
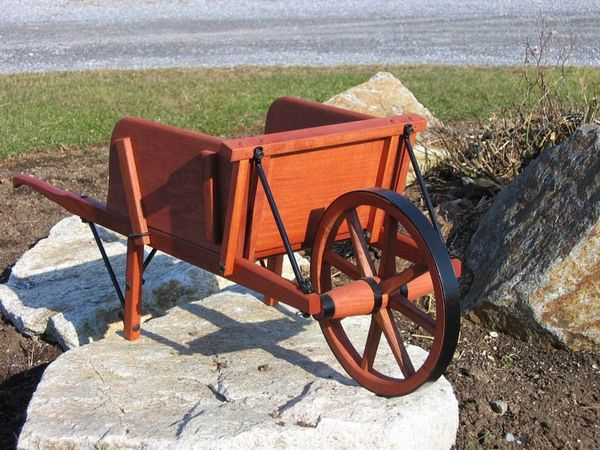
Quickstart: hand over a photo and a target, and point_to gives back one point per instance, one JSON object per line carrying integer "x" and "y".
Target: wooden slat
{"x": 234, "y": 222}
{"x": 263, "y": 280}
{"x": 131, "y": 186}
{"x": 133, "y": 291}
{"x": 257, "y": 206}
{"x": 322, "y": 137}
{"x": 275, "y": 265}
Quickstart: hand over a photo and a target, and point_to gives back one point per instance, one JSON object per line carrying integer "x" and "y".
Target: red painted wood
{"x": 175, "y": 167}
{"x": 131, "y": 188}
{"x": 132, "y": 321}
{"x": 290, "y": 113}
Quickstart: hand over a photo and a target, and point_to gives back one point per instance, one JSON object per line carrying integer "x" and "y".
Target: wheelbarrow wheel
{"x": 379, "y": 236}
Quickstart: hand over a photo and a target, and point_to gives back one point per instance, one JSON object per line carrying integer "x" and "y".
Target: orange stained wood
{"x": 291, "y": 113}
{"x": 423, "y": 285}
{"x": 275, "y": 265}
{"x": 322, "y": 137}
{"x": 236, "y": 214}
{"x": 272, "y": 285}
{"x": 305, "y": 183}
{"x": 309, "y": 168}
{"x": 403, "y": 165}
{"x": 131, "y": 187}
{"x": 133, "y": 290}
{"x": 199, "y": 198}
{"x": 354, "y": 299}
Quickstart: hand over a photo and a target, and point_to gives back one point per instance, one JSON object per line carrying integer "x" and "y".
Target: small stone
{"x": 499, "y": 406}
{"x": 510, "y": 437}
{"x": 464, "y": 372}
{"x": 493, "y": 334}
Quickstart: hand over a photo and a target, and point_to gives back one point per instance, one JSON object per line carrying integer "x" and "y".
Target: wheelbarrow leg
{"x": 274, "y": 264}
{"x": 135, "y": 241}
{"x": 133, "y": 289}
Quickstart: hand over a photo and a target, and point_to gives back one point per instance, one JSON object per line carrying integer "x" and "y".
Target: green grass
{"x": 40, "y": 111}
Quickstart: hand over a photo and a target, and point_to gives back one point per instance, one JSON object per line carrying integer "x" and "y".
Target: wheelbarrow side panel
{"x": 291, "y": 113}
{"x": 180, "y": 178}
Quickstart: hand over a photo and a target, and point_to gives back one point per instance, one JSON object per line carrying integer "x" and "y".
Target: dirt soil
{"x": 511, "y": 394}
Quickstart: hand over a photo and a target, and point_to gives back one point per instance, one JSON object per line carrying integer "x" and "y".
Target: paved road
{"x": 50, "y": 35}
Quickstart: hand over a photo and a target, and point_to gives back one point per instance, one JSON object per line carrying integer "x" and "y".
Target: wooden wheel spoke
{"x": 406, "y": 248}
{"x": 387, "y": 266}
{"x": 371, "y": 345}
{"x": 386, "y": 322}
{"x": 412, "y": 312}
{"x": 394, "y": 282}
{"x": 361, "y": 247}
{"x": 342, "y": 264}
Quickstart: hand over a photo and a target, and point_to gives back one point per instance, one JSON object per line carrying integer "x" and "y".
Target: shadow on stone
{"x": 234, "y": 336}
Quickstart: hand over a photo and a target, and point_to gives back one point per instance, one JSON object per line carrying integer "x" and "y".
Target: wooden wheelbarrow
{"x": 321, "y": 179}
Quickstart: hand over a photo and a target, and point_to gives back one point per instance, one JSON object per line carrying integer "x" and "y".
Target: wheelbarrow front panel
{"x": 307, "y": 169}
{"x": 178, "y": 172}
{"x": 306, "y": 183}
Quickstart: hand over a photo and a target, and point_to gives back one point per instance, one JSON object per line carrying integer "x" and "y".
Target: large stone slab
{"x": 536, "y": 254}
{"x": 61, "y": 288}
{"x": 226, "y": 373}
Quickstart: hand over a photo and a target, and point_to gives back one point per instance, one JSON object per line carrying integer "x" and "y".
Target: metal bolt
{"x": 258, "y": 153}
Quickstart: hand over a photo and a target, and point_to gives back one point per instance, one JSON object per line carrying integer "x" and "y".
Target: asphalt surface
{"x": 53, "y": 35}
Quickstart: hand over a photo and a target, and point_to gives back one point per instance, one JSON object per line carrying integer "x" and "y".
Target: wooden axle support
{"x": 367, "y": 296}
{"x": 357, "y": 298}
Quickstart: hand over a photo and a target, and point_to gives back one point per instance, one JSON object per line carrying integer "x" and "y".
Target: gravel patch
{"x": 54, "y": 35}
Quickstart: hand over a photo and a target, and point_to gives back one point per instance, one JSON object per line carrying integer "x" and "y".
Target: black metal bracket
{"x": 408, "y": 130}
{"x": 303, "y": 283}
{"x": 108, "y": 265}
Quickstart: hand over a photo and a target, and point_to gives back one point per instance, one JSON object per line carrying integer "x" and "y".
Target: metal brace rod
{"x": 107, "y": 264}
{"x": 408, "y": 130}
{"x": 302, "y": 282}
{"x": 148, "y": 259}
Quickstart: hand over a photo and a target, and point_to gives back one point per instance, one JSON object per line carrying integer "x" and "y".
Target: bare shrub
{"x": 493, "y": 153}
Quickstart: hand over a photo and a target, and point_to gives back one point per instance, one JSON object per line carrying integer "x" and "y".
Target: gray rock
{"x": 226, "y": 372}
{"x": 499, "y": 406}
{"x": 536, "y": 254}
